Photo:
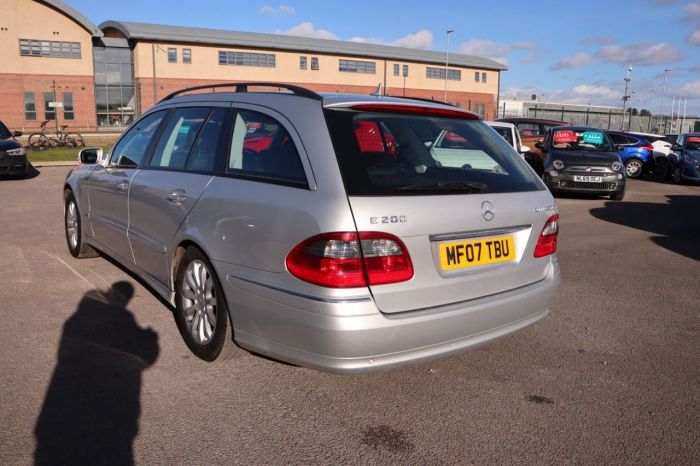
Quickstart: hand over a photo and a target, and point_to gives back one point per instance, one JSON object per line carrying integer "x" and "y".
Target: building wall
{"x": 27, "y": 19}
{"x": 205, "y": 68}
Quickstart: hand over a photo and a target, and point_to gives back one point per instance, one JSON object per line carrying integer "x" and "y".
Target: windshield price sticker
{"x": 469, "y": 253}
{"x": 593, "y": 137}
{"x": 564, "y": 137}
{"x": 695, "y": 139}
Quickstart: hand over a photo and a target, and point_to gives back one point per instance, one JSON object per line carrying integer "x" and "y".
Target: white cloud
{"x": 692, "y": 12}
{"x": 368, "y": 40}
{"x": 586, "y": 90}
{"x": 530, "y": 58}
{"x": 597, "y": 40}
{"x": 574, "y": 61}
{"x": 420, "y": 40}
{"x": 690, "y": 90}
{"x": 641, "y": 53}
{"x": 308, "y": 30}
{"x": 276, "y": 10}
{"x": 694, "y": 37}
{"x": 498, "y": 51}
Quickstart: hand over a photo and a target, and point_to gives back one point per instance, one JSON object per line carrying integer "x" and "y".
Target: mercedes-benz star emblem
{"x": 488, "y": 211}
{"x": 588, "y": 169}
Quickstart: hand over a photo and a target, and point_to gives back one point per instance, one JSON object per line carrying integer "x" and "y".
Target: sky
{"x": 561, "y": 51}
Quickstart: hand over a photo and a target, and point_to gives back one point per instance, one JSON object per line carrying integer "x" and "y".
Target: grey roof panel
{"x": 74, "y": 15}
{"x": 165, "y": 33}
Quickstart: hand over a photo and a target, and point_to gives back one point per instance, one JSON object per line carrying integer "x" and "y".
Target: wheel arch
{"x": 178, "y": 253}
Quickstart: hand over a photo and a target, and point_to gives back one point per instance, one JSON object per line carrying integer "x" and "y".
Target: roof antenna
{"x": 378, "y": 92}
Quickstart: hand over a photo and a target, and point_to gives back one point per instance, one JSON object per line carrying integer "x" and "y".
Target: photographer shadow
{"x": 91, "y": 411}
{"x": 677, "y": 223}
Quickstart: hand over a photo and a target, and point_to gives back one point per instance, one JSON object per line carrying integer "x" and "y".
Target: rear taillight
{"x": 348, "y": 260}
{"x": 547, "y": 242}
{"x": 648, "y": 147}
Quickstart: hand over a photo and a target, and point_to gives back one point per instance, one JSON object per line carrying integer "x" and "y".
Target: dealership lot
{"x": 610, "y": 376}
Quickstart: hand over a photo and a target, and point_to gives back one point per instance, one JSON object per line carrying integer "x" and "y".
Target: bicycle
{"x": 46, "y": 138}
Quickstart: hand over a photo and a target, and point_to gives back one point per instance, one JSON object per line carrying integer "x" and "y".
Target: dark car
{"x": 636, "y": 152}
{"x": 532, "y": 131}
{"x": 582, "y": 160}
{"x": 684, "y": 161}
{"x": 13, "y": 160}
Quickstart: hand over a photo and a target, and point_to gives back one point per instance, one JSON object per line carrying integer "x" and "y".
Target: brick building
{"x": 105, "y": 76}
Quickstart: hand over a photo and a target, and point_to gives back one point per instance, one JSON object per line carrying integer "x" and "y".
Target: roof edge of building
{"x": 167, "y": 33}
{"x": 74, "y": 15}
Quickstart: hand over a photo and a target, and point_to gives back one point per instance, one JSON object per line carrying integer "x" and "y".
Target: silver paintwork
{"x": 144, "y": 217}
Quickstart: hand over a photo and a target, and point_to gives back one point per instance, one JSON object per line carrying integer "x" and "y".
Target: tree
{"x": 645, "y": 112}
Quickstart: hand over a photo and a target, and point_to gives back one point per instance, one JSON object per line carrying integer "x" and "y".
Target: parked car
{"x": 684, "y": 161}
{"x": 583, "y": 160}
{"x": 533, "y": 130}
{"x": 635, "y": 152}
{"x": 321, "y": 251}
{"x": 510, "y": 133}
{"x": 13, "y": 159}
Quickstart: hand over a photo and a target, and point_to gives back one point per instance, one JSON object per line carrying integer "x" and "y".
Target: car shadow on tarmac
{"x": 677, "y": 223}
{"x": 91, "y": 411}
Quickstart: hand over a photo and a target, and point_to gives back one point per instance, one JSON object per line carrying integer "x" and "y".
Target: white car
{"x": 662, "y": 147}
{"x": 510, "y": 133}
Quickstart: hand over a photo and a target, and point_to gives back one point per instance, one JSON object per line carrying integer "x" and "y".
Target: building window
{"x": 49, "y": 48}
{"x": 172, "y": 55}
{"x": 405, "y": 71}
{"x": 187, "y": 56}
{"x": 314, "y": 63}
{"x": 357, "y": 66}
{"x": 479, "y": 109}
{"x": 114, "y": 86}
{"x": 49, "y": 112}
{"x": 265, "y": 60}
{"x": 476, "y": 76}
{"x": 396, "y": 69}
{"x": 439, "y": 73}
{"x": 483, "y": 77}
{"x": 68, "y": 112}
{"x": 29, "y": 106}
{"x": 302, "y": 62}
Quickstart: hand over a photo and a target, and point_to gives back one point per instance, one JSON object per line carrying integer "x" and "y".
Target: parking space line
{"x": 79, "y": 275}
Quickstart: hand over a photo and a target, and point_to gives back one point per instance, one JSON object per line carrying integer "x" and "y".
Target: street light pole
{"x": 447, "y": 57}
{"x": 626, "y": 97}
{"x": 663, "y": 94}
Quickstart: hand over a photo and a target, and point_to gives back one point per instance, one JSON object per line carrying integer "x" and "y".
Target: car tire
{"x": 677, "y": 175}
{"x": 201, "y": 312}
{"x": 75, "y": 236}
{"x": 618, "y": 196}
{"x": 634, "y": 168}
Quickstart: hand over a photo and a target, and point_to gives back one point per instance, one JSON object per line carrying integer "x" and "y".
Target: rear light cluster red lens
{"x": 547, "y": 242}
{"x": 349, "y": 259}
{"x": 648, "y": 147}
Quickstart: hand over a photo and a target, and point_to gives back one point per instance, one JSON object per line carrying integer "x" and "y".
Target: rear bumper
{"x": 354, "y": 337}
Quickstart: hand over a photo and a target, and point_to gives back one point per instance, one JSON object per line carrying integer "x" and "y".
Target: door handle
{"x": 177, "y": 196}
{"x": 123, "y": 186}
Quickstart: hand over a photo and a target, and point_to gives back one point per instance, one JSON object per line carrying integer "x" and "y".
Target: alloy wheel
{"x": 72, "y": 224}
{"x": 199, "y": 302}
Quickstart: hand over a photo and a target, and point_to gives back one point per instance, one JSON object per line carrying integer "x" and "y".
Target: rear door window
{"x": 262, "y": 149}
{"x": 203, "y": 155}
{"x": 178, "y": 137}
{"x": 419, "y": 154}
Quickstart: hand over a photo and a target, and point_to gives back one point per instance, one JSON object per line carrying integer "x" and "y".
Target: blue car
{"x": 684, "y": 161}
{"x": 636, "y": 153}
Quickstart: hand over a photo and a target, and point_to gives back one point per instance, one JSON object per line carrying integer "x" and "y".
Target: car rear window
{"x": 402, "y": 154}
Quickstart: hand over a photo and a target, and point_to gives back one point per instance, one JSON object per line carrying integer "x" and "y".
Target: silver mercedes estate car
{"x": 347, "y": 233}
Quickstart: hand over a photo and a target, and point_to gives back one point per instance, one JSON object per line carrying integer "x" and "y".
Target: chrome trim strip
{"x": 478, "y": 233}
{"x": 323, "y": 299}
{"x": 148, "y": 242}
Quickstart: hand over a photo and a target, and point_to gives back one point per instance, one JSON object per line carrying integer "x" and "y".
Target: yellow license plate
{"x": 480, "y": 251}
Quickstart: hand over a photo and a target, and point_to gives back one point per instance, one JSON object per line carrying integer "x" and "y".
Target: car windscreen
{"x": 394, "y": 154}
{"x": 578, "y": 139}
{"x": 4, "y": 132}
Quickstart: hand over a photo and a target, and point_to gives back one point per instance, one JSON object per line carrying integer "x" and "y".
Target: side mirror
{"x": 90, "y": 156}
{"x": 619, "y": 148}
{"x": 524, "y": 149}
{"x": 16, "y": 134}
{"x": 676, "y": 147}
{"x": 540, "y": 145}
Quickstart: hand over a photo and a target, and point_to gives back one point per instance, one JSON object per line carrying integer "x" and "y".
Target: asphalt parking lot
{"x": 92, "y": 374}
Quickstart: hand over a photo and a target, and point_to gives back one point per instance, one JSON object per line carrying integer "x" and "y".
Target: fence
{"x": 610, "y": 119}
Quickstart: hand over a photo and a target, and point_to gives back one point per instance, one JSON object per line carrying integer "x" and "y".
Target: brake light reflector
{"x": 648, "y": 147}
{"x": 348, "y": 260}
{"x": 547, "y": 242}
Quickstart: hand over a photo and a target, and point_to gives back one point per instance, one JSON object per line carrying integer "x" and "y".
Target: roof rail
{"x": 243, "y": 87}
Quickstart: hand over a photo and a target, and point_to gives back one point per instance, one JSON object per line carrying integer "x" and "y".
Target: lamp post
{"x": 626, "y": 97}
{"x": 447, "y": 57}
{"x": 663, "y": 94}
